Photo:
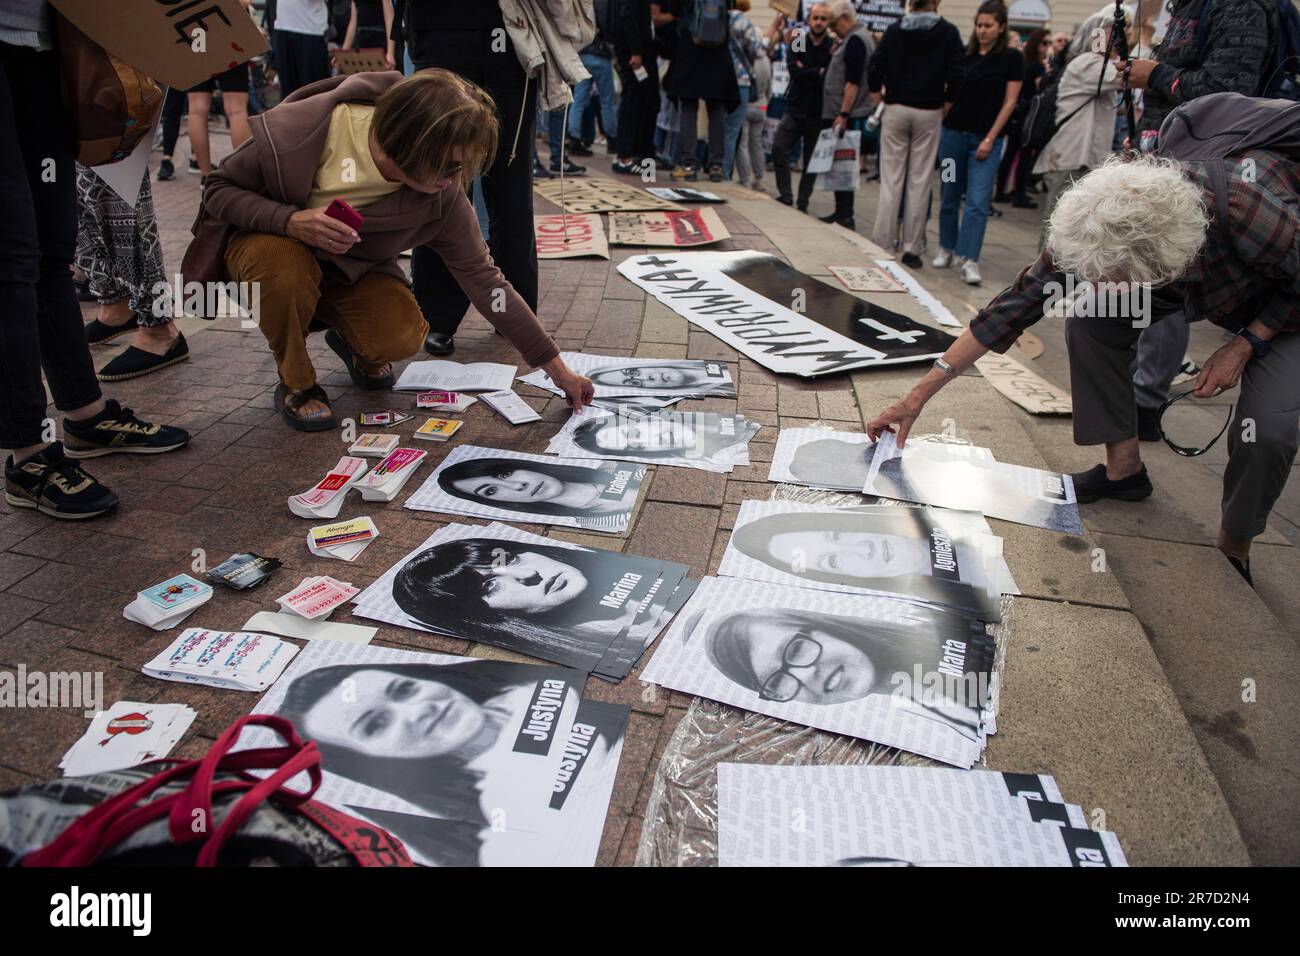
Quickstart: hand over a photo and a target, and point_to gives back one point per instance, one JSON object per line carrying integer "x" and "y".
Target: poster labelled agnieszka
{"x": 778, "y": 316}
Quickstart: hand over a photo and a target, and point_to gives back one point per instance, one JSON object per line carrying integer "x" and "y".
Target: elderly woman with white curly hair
{"x": 1148, "y": 221}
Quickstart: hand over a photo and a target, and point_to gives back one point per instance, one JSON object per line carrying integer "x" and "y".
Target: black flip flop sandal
{"x": 289, "y": 402}
{"x": 359, "y": 378}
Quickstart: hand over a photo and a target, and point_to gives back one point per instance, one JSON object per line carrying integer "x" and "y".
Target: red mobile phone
{"x": 344, "y": 213}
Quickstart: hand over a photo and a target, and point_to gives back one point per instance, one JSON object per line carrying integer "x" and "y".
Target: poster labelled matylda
{"x": 778, "y": 316}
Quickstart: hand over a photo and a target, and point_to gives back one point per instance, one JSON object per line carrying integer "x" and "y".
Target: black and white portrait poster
{"x": 897, "y": 673}
{"x": 515, "y": 486}
{"x": 709, "y": 441}
{"x": 1043, "y": 499}
{"x": 841, "y": 461}
{"x": 781, "y": 318}
{"x": 616, "y": 377}
{"x": 878, "y": 826}
{"x": 898, "y": 552}
{"x": 468, "y": 762}
{"x": 547, "y": 598}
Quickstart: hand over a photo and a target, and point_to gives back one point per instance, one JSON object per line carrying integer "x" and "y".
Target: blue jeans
{"x": 731, "y": 131}
{"x": 602, "y": 78}
{"x": 972, "y": 178}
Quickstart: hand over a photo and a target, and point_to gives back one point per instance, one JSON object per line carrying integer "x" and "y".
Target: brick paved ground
{"x": 63, "y": 586}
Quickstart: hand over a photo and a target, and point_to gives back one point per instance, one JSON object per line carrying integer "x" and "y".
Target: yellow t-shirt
{"x": 346, "y": 169}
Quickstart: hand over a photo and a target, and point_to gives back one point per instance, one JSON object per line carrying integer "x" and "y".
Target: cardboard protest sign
{"x": 1029, "y": 391}
{"x": 178, "y": 42}
{"x": 938, "y": 311}
{"x": 688, "y": 227}
{"x": 788, "y": 7}
{"x": 361, "y": 61}
{"x": 783, "y": 319}
{"x": 565, "y": 236}
{"x": 866, "y": 279}
{"x": 879, "y": 14}
{"x": 599, "y": 195}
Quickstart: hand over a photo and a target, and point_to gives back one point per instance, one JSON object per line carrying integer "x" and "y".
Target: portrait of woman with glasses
{"x": 789, "y": 656}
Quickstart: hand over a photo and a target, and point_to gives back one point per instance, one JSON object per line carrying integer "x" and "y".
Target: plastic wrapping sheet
{"x": 681, "y": 820}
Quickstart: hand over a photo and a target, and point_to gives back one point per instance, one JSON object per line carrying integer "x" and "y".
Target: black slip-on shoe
{"x": 1093, "y": 485}
{"x": 1243, "y": 567}
{"x": 55, "y": 485}
{"x": 1148, "y": 424}
{"x": 439, "y": 343}
{"x": 166, "y": 170}
{"x": 913, "y": 261}
{"x": 97, "y": 333}
{"x": 135, "y": 362}
{"x": 334, "y": 339}
{"x": 785, "y": 200}
{"x": 116, "y": 429}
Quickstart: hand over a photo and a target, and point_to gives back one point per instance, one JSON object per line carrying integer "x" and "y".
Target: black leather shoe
{"x": 913, "y": 261}
{"x": 1093, "y": 485}
{"x": 439, "y": 343}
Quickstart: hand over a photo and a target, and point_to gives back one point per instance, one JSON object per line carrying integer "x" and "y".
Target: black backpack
{"x": 1039, "y": 124}
{"x": 1213, "y": 128}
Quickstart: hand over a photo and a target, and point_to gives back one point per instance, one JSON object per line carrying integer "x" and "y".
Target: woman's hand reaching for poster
{"x": 578, "y": 389}
{"x": 897, "y": 418}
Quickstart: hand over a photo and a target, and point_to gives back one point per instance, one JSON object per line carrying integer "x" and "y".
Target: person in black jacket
{"x": 918, "y": 65}
{"x": 700, "y": 72}
{"x": 809, "y": 55}
{"x": 466, "y": 39}
{"x": 632, "y": 34}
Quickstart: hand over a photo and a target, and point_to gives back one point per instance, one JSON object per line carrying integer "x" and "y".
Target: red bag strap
{"x": 196, "y": 799}
{"x": 107, "y": 824}
{"x": 306, "y": 759}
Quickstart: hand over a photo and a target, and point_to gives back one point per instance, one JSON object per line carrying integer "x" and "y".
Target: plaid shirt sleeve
{"x": 1020, "y": 305}
{"x": 1265, "y": 236}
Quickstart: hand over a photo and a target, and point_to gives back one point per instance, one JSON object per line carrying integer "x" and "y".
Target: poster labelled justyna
{"x": 547, "y": 598}
{"x": 616, "y": 377}
{"x": 900, "y": 674}
{"x": 871, "y": 826}
{"x": 1043, "y": 499}
{"x": 468, "y": 762}
{"x": 781, "y": 318}
{"x": 708, "y": 441}
{"x": 514, "y": 486}
{"x": 841, "y": 461}
{"x": 906, "y": 553}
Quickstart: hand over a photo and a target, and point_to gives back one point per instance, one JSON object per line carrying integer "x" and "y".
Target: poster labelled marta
{"x": 781, "y": 318}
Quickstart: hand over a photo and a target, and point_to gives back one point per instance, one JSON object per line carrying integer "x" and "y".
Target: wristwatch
{"x": 944, "y": 367}
{"x": 1259, "y": 346}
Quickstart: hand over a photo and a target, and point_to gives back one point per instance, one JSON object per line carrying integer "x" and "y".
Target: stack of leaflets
{"x": 439, "y": 401}
{"x": 511, "y": 407}
{"x": 387, "y": 478}
{"x": 897, "y": 673}
{"x": 127, "y": 734}
{"x": 872, "y": 815}
{"x": 385, "y": 418}
{"x": 326, "y": 499}
{"x": 444, "y": 376}
{"x": 343, "y": 539}
{"x": 514, "y": 486}
{"x": 707, "y": 441}
{"x": 616, "y": 377}
{"x": 583, "y": 607}
{"x": 1042, "y": 499}
{"x": 317, "y": 597}
{"x": 488, "y": 741}
{"x": 373, "y": 445}
{"x": 230, "y": 660}
{"x": 438, "y": 429}
{"x": 166, "y": 605}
